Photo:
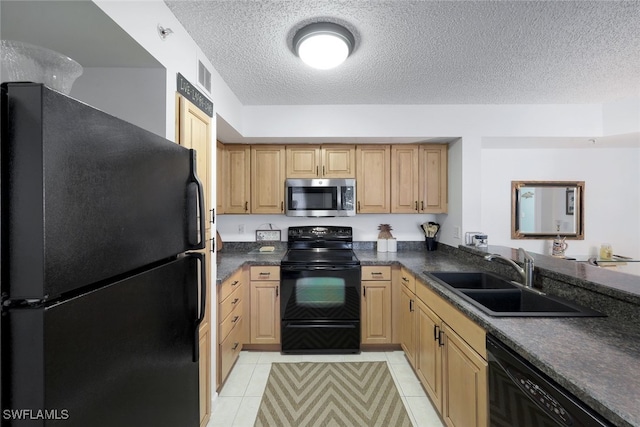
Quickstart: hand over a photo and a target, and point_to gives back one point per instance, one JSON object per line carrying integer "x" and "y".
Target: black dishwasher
{"x": 520, "y": 395}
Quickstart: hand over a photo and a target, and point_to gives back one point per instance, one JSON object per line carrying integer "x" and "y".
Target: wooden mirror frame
{"x": 578, "y": 209}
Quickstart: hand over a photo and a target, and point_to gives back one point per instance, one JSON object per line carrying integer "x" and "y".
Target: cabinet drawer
{"x": 229, "y": 351}
{"x": 231, "y": 303}
{"x": 231, "y": 321}
{"x": 376, "y": 272}
{"x": 265, "y": 272}
{"x": 408, "y": 280}
{"x": 230, "y": 285}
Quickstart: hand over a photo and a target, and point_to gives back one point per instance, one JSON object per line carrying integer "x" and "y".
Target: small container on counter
{"x": 481, "y": 240}
{"x": 382, "y": 245}
{"x": 392, "y": 245}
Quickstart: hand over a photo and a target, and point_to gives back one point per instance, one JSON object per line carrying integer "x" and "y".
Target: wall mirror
{"x": 545, "y": 209}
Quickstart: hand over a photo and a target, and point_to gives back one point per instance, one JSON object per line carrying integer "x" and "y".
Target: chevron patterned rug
{"x": 345, "y": 394}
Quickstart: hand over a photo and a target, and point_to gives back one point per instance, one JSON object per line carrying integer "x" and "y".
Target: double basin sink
{"x": 500, "y": 297}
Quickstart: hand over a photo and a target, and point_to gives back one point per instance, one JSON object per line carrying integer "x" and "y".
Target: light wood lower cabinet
{"x": 465, "y": 389}
{"x": 231, "y": 333}
{"x": 451, "y": 360}
{"x": 407, "y": 320}
{"x": 265, "y": 305}
{"x": 375, "y": 318}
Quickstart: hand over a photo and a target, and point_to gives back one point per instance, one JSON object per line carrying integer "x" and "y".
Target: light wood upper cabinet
{"x": 238, "y": 179}
{"x": 404, "y": 179}
{"x": 373, "y": 163}
{"x": 419, "y": 178}
{"x": 326, "y": 161}
{"x": 267, "y": 179}
{"x": 433, "y": 178}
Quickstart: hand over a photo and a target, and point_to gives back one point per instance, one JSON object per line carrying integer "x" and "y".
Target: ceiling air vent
{"x": 204, "y": 76}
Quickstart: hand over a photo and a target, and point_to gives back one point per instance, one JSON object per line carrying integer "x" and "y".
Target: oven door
{"x": 320, "y": 309}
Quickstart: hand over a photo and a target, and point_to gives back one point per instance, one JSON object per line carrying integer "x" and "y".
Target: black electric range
{"x": 320, "y": 291}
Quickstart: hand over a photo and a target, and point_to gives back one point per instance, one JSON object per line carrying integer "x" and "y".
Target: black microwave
{"x": 320, "y": 197}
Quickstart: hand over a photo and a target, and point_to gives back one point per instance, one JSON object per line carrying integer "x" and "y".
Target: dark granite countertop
{"x": 596, "y": 359}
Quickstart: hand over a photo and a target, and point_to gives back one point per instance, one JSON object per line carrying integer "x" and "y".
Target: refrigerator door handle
{"x": 196, "y": 235}
{"x": 203, "y": 301}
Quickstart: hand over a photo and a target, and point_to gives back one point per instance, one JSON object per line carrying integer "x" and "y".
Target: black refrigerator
{"x": 101, "y": 300}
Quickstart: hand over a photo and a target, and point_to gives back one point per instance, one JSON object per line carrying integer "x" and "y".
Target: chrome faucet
{"x": 526, "y": 273}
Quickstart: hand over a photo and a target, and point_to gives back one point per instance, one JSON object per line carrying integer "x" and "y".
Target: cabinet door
{"x": 267, "y": 179}
{"x": 194, "y": 131}
{"x": 429, "y": 353}
{"x": 404, "y": 179}
{"x": 408, "y": 325}
{"x": 238, "y": 179}
{"x": 465, "y": 389}
{"x": 338, "y": 161}
{"x": 265, "y": 312}
{"x": 220, "y": 178}
{"x": 433, "y": 178}
{"x": 373, "y": 184}
{"x": 303, "y": 161}
{"x": 204, "y": 345}
{"x": 376, "y": 312}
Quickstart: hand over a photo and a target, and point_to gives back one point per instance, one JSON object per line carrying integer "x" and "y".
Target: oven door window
{"x": 320, "y": 292}
{"x": 320, "y": 295}
{"x": 313, "y": 198}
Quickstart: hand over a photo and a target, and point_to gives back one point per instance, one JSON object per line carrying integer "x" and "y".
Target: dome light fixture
{"x": 323, "y": 45}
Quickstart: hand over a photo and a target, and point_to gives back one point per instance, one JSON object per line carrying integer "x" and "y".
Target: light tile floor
{"x": 239, "y": 400}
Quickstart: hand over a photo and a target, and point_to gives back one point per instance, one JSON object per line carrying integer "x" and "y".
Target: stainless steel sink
{"x": 500, "y": 297}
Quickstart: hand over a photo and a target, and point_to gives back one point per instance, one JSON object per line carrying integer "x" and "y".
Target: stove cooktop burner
{"x": 320, "y": 256}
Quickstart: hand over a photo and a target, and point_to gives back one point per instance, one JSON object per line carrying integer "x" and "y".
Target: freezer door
{"x": 119, "y": 356}
{"x": 87, "y": 196}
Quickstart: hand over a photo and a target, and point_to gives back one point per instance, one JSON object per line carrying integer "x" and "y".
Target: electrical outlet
{"x": 241, "y": 228}
{"x": 456, "y": 232}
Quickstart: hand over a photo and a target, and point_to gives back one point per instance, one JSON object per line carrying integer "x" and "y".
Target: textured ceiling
{"x": 425, "y": 52}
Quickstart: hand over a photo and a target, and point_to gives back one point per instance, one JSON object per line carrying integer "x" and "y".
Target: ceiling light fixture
{"x": 323, "y": 45}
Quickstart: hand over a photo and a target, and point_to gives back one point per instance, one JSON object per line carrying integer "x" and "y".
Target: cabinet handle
{"x": 264, "y": 273}
{"x": 323, "y": 171}
{"x": 277, "y": 291}
{"x": 422, "y": 204}
{"x": 358, "y": 205}
{"x": 440, "y": 338}
{"x": 411, "y": 305}
{"x": 235, "y": 301}
{"x": 404, "y": 279}
{"x": 235, "y": 345}
{"x": 281, "y": 206}
{"x": 376, "y": 273}
{"x": 317, "y": 171}
{"x": 364, "y": 291}
{"x": 246, "y": 206}
{"x": 235, "y": 319}
{"x": 435, "y": 332}
{"x": 416, "y": 205}
{"x": 235, "y": 282}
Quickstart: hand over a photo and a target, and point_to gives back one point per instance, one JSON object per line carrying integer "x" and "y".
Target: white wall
{"x": 365, "y": 226}
{"x": 128, "y": 93}
{"x": 612, "y": 208}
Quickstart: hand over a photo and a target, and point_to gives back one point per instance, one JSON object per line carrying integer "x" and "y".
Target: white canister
{"x": 382, "y": 245}
{"x": 392, "y": 245}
